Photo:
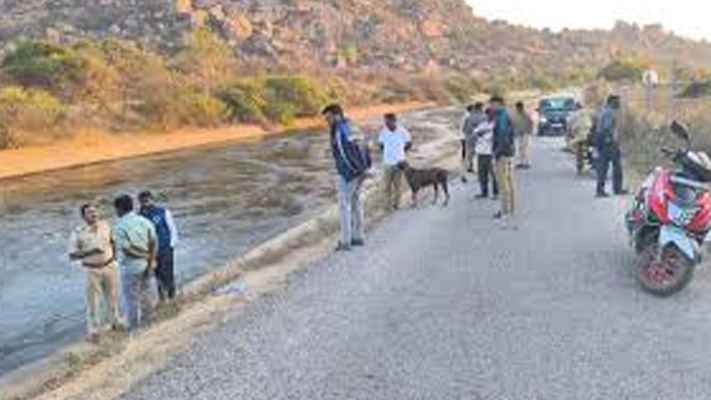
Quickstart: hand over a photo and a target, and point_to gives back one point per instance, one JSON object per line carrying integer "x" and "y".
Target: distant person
{"x": 91, "y": 245}
{"x": 504, "y": 150}
{"x": 167, "y": 234}
{"x": 581, "y": 128}
{"x": 523, "y": 126}
{"x": 352, "y": 164}
{"x": 607, "y": 142}
{"x": 484, "y": 151}
{"x": 472, "y": 119}
{"x": 136, "y": 250}
{"x": 394, "y": 142}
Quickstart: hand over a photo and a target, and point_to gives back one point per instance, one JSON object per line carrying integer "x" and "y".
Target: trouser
{"x": 610, "y": 155}
{"x": 102, "y": 289}
{"x": 486, "y": 171}
{"x": 524, "y": 149}
{"x": 468, "y": 155}
{"x": 393, "y": 186}
{"x": 165, "y": 274}
{"x": 351, "y": 210}
{"x": 581, "y": 154}
{"x": 137, "y": 293}
{"x": 505, "y": 179}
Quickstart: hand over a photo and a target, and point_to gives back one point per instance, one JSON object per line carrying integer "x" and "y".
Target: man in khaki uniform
{"x": 91, "y": 245}
{"x": 581, "y": 127}
{"x": 523, "y": 129}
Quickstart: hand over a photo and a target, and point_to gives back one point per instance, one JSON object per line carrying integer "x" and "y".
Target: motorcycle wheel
{"x": 666, "y": 276}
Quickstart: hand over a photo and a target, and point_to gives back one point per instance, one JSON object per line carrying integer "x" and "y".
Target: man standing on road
{"x": 167, "y": 234}
{"x": 523, "y": 126}
{"x": 472, "y": 119}
{"x": 136, "y": 250}
{"x": 394, "y": 142}
{"x": 504, "y": 150}
{"x": 581, "y": 125}
{"x": 351, "y": 165}
{"x": 484, "y": 144}
{"x": 92, "y": 246}
{"x": 607, "y": 142}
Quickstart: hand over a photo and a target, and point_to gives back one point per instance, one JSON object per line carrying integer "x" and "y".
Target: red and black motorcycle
{"x": 671, "y": 218}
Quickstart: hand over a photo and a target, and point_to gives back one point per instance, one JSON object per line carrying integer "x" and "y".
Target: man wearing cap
{"x": 167, "y": 233}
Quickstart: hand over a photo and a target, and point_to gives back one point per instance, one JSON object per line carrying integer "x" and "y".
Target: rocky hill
{"x": 401, "y": 35}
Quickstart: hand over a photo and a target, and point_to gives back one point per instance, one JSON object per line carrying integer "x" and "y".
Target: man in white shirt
{"x": 394, "y": 142}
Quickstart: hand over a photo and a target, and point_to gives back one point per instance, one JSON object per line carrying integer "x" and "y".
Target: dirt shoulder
{"x": 101, "y": 148}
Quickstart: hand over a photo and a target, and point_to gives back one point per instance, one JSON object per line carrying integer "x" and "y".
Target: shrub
{"x": 281, "y": 111}
{"x": 245, "y": 101}
{"x": 24, "y": 111}
{"x": 461, "y": 88}
{"x": 304, "y": 95}
{"x": 623, "y": 70}
{"x": 45, "y": 65}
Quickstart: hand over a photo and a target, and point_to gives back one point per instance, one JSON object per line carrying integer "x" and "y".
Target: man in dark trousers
{"x": 607, "y": 143}
{"x": 167, "y": 234}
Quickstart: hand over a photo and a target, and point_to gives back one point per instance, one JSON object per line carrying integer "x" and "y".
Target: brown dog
{"x": 420, "y": 178}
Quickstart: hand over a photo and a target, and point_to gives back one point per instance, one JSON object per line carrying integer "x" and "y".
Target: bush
{"x": 281, "y": 112}
{"x": 245, "y": 101}
{"x": 44, "y": 65}
{"x": 24, "y": 111}
{"x": 176, "y": 107}
{"x": 623, "y": 70}
{"x": 304, "y": 95}
{"x": 462, "y": 88}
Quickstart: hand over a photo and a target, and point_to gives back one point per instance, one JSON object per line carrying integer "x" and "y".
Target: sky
{"x": 688, "y": 18}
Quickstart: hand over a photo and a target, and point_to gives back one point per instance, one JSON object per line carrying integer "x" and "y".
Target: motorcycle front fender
{"x": 672, "y": 235}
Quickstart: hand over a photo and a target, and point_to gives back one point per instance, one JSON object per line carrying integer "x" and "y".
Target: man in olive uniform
{"x": 581, "y": 126}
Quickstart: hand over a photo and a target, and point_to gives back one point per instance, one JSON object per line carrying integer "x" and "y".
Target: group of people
{"x": 121, "y": 261}
{"x": 600, "y": 130}
{"x": 492, "y": 136}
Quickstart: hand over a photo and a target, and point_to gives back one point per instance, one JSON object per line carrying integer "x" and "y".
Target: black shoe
{"x": 623, "y": 192}
{"x": 357, "y": 243}
{"x": 481, "y": 196}
{"x": 521, "y": 166}
{"x": 602, "y": 195}
{"x": 499, "y": 215}
{"x": 470, "y": 170}
{"x": 342, "y": 247}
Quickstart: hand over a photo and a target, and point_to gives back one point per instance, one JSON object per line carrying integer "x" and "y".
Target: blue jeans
{"x": 137, "y": 288}
{"x": 351, "y": 210}
{"x": 609, "y": 155}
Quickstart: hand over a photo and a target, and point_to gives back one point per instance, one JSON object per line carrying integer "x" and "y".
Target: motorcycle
{"x": 670, "y": 219}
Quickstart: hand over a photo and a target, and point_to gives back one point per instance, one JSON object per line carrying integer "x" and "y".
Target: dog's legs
{"x": 414, "y": 199}
{"x": 436, "y": 194}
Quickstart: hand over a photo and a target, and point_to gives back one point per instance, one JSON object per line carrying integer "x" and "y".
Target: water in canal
{"x": 226, "y": 199}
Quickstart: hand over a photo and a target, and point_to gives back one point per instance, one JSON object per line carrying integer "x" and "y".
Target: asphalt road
{"x": 446, "y": 304}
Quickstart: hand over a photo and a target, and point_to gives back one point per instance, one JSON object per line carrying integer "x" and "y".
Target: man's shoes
{"x": 520, "y": 166}
{"x": 464, "y": 179}
{"x": 602, "y": 195}
{"x": 342, "y": 247}
{"x": 357, "y": 243}
{"x": 481, "y": 196}
{"x": 499, "y": 215}
{"x": 470, "y": 170}
{"x": 623, "y": 192}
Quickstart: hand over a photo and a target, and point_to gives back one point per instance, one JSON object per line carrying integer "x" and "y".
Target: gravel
{"x": 446, "y": 304}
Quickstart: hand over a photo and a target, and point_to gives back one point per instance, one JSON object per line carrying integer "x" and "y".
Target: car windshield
{"x": 558, "y": 104}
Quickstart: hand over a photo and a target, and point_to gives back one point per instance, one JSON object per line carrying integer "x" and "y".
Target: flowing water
{"x": 226, "y": 199}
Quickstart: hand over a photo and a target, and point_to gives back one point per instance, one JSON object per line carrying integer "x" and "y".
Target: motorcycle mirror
{"x": 680, "y": 131}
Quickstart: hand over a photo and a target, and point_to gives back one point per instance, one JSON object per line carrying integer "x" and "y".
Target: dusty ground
{"x": 98, "y": 148}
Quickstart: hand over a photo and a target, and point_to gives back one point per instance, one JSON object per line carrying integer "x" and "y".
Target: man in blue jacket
{"x": 607, "y": 143}
{"x": 504, "y": 150}
{"x": 351, "y": 166}
{"x": 167, "y": 234}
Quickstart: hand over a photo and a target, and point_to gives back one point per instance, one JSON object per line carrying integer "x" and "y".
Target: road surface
{"x": 447, "y": 304}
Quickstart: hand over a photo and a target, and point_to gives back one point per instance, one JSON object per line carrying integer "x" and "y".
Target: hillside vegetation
{"x": 118, "y": 65}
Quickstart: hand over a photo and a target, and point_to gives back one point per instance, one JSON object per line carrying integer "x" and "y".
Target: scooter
{"x": 670, "y": 219}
